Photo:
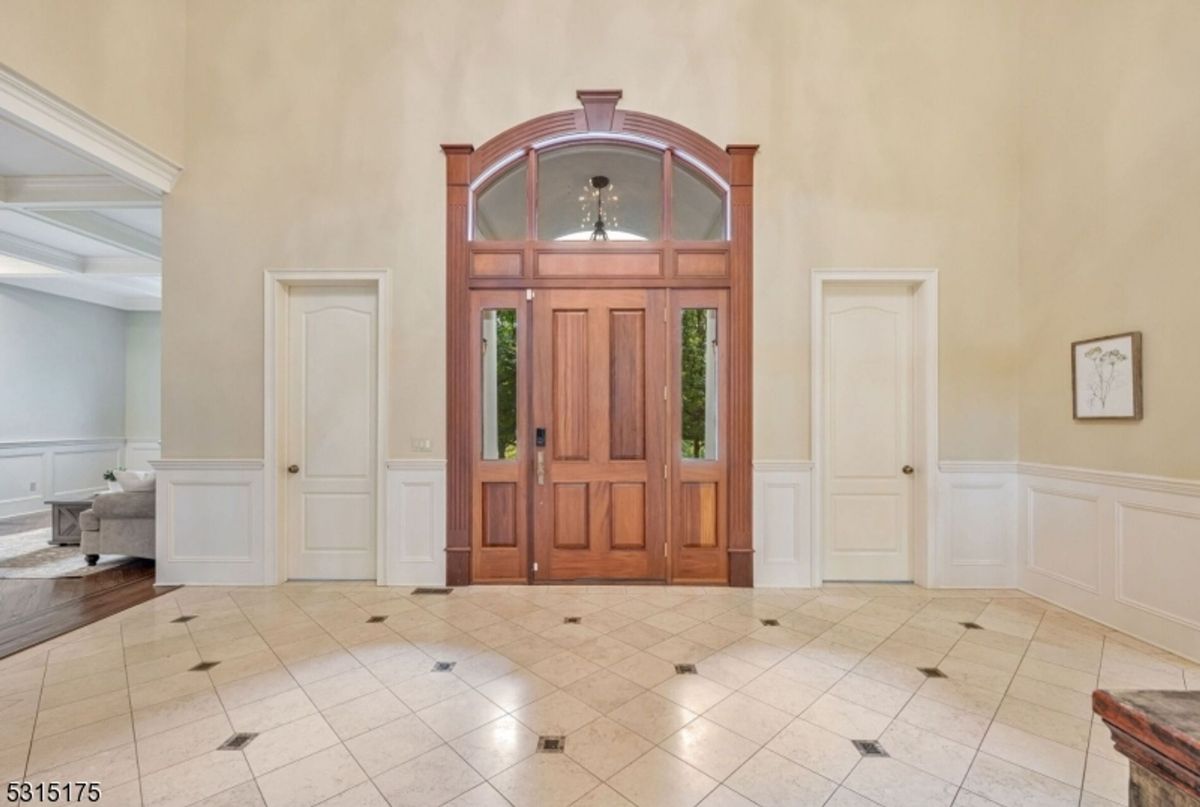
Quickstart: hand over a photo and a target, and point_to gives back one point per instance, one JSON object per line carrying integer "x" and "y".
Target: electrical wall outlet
{"x": 422, "y": 444}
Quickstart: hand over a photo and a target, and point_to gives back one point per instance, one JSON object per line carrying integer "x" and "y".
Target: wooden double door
{"x": 598, "y": 435}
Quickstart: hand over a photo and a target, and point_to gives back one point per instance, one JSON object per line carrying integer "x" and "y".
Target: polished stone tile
{"x": 652, "y": 716}
{"x": 710, "y": 748}
{"x": 393, "y": 743}
{"x": 431, "y": 779}
{"x": 314, "y": 779}
{"x": 817, "y": 749}
{"x": 498, "y": 745}
{"x": 659, "y": 779}
{"x": 748, "y": 717}
{"x": 544, "y": 780}
{"x": 604, "y": 747}
{"x": 891, "y": 783}
{"x": 770, "y": 780}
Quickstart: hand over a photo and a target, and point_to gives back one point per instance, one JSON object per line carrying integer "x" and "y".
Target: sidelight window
{"x": 498, "y": 392}
{"x": 698, "y": 383}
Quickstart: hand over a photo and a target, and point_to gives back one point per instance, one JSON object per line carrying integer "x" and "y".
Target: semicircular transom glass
{"x": 697, "y": 205}
{"x": 599, "y": 192}
{"x": 500, "y": 206}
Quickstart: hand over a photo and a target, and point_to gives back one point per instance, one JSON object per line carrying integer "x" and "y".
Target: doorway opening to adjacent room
{"x": 874, "y": 424}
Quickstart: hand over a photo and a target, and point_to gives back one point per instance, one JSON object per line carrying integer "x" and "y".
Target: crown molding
{"x": 88, "y": 192}
{"x": 32, "y": 107}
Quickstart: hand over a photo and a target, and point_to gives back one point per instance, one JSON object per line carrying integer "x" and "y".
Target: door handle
{"x": 293, "y": 469}
{"x": 541, "y": 467}
{"x": 907, "y": 470}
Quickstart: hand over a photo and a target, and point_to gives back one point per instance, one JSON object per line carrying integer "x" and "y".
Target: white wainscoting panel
{"x": 139, "y": 453}
{"x": 783, "y": 524}
{"x": 416, "y": 523}
{"x": 975, "y": 536}
{"x": 210, "y": 528}
{"x": 1122, "y": 549}
{"x": 34, "y": 470}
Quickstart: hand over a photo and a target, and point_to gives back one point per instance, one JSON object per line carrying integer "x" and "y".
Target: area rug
{"x": 30, "y": 556}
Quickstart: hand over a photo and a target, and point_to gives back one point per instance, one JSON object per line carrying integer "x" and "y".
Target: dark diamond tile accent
{"x": 187, "y": 618}
{"x": 443, "y": 666}
{"x": 432, "y": 590}
{"x": 869, "y": 748}
{"x": 971, "y": 625}
{"x": 931, "y": 672}
{"x": 572, "y": 620}
{"x": 204, "y": 665}
{"x": 238, "y": 741}
{"x": 551, "y": 745}
{"x": 770, "y": 623}
{"x": 685, "y": 669}
{"x": 377, "y": 619}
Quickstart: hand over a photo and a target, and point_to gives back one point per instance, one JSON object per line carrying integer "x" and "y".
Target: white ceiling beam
{"x": 123, "y": 267}
{"x": 27, "y": 105}
{"x": 86, "y": 293}
{"x": 72, "y": 192}
{"x": 100, "y": 228}
{"x": 17, "y": 247}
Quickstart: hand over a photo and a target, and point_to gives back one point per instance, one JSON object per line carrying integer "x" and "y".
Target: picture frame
{"x": 1106, "y": 377}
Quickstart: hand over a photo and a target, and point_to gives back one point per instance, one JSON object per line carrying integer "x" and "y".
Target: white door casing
{"x": 330, "y": 432}
{"x": 868, "y": 366}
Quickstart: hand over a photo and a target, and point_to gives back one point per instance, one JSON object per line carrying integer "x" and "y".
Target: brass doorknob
{"x": 907, "y": 470}
{"x": 293, "y": 469}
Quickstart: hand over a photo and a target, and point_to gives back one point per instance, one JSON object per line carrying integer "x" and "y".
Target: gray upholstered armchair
{"x": 118, "y": 524}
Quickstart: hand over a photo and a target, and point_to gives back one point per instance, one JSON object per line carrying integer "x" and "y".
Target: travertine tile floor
{"x": 349, "y": 712}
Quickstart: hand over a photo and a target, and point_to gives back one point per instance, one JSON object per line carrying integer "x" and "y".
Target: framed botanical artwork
{"x": 1106, "y": 377}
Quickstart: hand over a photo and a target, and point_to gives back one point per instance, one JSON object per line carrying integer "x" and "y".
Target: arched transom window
{"x": 600, "y": 191}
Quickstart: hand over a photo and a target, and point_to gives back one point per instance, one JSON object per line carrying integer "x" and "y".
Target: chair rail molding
{"x": 34, "y": 107}
{"x": 209, "y": 526}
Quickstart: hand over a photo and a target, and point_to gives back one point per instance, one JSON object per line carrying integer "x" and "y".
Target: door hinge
{"x": 528, "y": 294}
{"x": 535, "y": 565}
{"x": 665, "y": 398}
{"x": 665, "y": 471}
{"x": 666, "y": 317}
{"x": 665, "y": 547}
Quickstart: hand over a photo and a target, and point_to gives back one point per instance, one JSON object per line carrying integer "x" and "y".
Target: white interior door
{"x": 868, "y": 432}
{"x": 331, "y": 421}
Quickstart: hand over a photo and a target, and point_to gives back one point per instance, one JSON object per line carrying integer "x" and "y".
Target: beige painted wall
{"x": 888, "y": 133}
{"x": 1110, "y": 190}
{"x": 119, "y": 60}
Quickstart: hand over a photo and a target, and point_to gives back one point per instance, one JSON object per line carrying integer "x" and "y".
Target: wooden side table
{"x": 1159, "y": 731}
{"x": 64, "y": 519}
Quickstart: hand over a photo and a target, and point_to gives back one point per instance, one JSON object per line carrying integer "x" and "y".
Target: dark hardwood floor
{"x": 32, "y": 611}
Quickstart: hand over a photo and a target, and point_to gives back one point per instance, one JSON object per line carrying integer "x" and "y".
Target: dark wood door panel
{"x": 627, "y": 385}
{"x": 499, "y": 510}
{"x": 600, "y": 508}
{"x": 571, "y": 414}
{"x": 700, "y": 512}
